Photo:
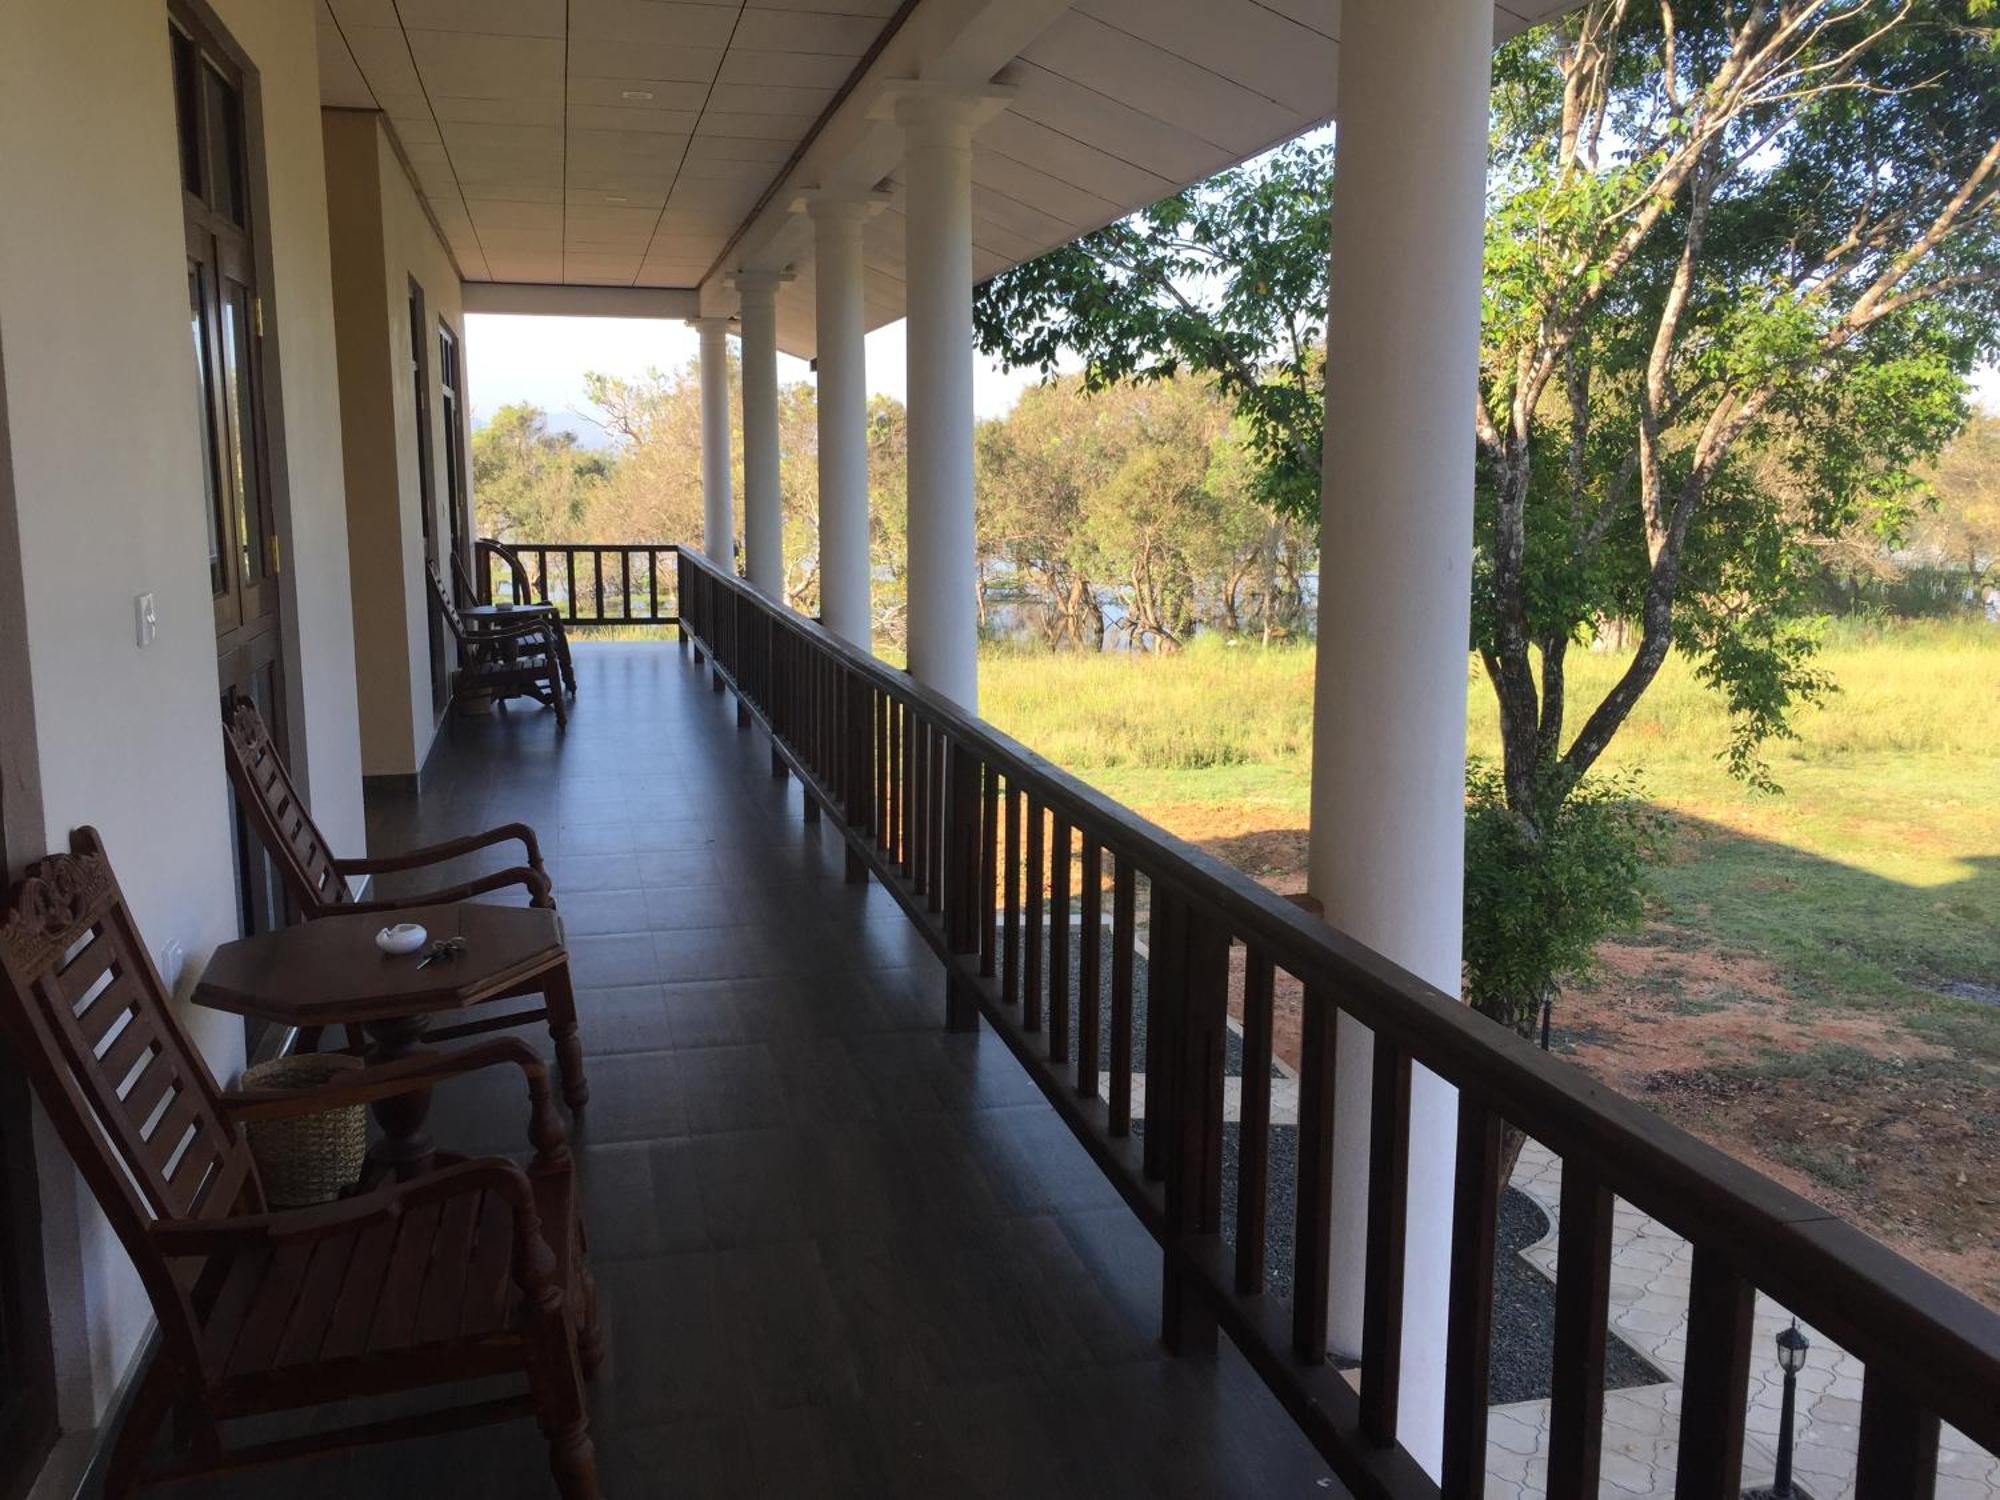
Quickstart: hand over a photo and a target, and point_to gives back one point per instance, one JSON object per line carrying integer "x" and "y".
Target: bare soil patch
{"x": 1847, "y": 1107}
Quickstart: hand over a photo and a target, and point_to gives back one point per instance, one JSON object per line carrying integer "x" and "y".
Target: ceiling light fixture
{"x": 635, "y": 93}
{"x": 616, "y": 198}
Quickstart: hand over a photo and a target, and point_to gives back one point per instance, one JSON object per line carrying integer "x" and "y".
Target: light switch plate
{"x": 147, "y": 619}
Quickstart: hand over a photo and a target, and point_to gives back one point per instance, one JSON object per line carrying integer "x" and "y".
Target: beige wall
{"x": 383, "y": 240}
{"x": 101, "y": 412}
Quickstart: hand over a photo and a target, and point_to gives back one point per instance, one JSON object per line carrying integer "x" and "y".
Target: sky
{"x": 542, "y": 360}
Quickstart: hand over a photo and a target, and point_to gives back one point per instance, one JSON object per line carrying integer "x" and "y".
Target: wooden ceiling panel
{"x": 1161, "y": 84}
{"x": 1244, "y": 40}
{"x": 542, "y": 18}
{"x": 679, "y": 122}
{"x": 806, "y": 31}
{"x": 474, "y": 65}
{"x": 636, "y": 93}
{"x": 793, "y": 69}
{"x": 637, "y": 60}
{"x": 544, "y": 112}
{"x": 653, "y": 21}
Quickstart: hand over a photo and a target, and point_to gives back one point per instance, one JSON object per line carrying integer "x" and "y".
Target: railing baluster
{"x": 1583, "y": 1289}
{"x": 1010, "y": 921}
{"x": 625, "y": 582}
{"x": 1312, "y": 1229}
{"x": 1468, "y": 1353}
{"x": 1897, "y": 1457}
{"x": 989, "y": 870}
{"x": 1253, "y": 1135}
{"x": 1124, "y": 928}
{"x": 1716, "y": 1379}
{"x": 1388, "y": 1231}
{"x": 1036, "y": 873}
{"x": 1089, "y": 968}
{"x": 961, "y": 864}
{"x": 1198, "y": 1006}
{"x": 1163, "y": 945}
{"x": 597, "y": 568}
{"x": 653, "y": 584}
{"x": 1059, "y": 845}
{"x": 939, "y": 858}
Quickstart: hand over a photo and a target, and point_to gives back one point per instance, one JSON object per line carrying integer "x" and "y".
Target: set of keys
{"x": 442, "y": 951}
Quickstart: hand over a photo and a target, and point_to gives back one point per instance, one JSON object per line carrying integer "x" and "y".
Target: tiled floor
{"x": 842, "y": 1252}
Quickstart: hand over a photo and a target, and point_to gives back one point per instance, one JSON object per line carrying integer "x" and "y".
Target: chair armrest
{"x": 534, "y": 881}
{"x": 244, "y": 1232}
{"x": 417, "y": 1074}
{"x": 431, "y": 854}
{"x": 481, "y": 634}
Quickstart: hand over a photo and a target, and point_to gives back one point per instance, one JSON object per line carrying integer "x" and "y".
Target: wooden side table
{"x": 330, "y": 972}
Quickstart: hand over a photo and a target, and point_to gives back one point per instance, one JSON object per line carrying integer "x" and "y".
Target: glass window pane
{"x": 241, "y": 410}
{"x": 187, "y": 112}
{"x": 225, "y": 145}
{"x": 205, "y": 419}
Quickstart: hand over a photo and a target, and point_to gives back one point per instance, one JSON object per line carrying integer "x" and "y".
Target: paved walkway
{"x": 1649, "y": 1297}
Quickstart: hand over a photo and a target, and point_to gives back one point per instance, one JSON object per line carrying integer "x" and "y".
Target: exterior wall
{"x": 107, "y": 481}
{"x": 382, "y": 241}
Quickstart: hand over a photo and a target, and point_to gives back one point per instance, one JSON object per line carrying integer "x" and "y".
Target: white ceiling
{"x": 629, "y": 143}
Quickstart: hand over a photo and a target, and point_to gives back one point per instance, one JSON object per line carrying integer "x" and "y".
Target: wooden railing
{"x": 591, "y": 583}
{"x": 977, "y": 836}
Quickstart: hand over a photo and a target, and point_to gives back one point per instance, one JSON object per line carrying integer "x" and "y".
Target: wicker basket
{"x": 311, "y": 1158}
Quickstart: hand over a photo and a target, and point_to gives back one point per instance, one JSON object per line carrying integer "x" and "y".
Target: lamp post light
{"x": 1792, "y": 1347}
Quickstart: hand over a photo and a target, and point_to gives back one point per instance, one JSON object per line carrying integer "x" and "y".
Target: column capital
{"x": 757, "y": 283}
{"x": 710, "y": 323}
{"x": 940, "y": 111}
{"x": 841, "y": 205}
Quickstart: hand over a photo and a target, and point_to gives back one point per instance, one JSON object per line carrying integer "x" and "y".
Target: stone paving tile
{"x": 1649, "y": 1295}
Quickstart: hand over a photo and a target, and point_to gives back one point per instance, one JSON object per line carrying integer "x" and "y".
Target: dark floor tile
{"x": 617, "y": 959}
{"x": 596, "y": 913}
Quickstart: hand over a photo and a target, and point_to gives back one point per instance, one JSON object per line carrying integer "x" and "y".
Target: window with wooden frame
{"x": 420, "y": 384}
{"x": 450, "y": 384}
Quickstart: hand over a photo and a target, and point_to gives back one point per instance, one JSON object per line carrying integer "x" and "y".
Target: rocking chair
{"x": 527, "y": 596}
{"x": 474, "y": 1271}
{"x": 516, "y": 660}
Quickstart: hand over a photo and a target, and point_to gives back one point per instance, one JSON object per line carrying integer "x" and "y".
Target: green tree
{"x": 1740, "y": 261}
{"x": 530, "y": 483}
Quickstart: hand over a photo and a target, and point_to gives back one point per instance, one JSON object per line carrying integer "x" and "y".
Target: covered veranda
{"x": 842, "y": 1251}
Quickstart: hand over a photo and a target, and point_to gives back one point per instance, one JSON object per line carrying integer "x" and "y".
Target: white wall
{"x": 382, "y": 240}
{"x": 101, "y": 398}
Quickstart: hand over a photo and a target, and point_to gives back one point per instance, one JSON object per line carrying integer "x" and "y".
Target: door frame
{"x": 28, "y": 1421}
{"x": 201, "y": 16}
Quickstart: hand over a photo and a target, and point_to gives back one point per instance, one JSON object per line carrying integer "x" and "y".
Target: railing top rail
{"x": 1943, "y": 1345}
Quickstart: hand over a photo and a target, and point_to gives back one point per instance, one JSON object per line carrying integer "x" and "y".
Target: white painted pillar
{"x": 763, "y": 506}
{"x": 943, "y": 610}
{"x": 718, "y": 518}
{"x": 1388, "y": 840}
{"x": 840, "y": 324}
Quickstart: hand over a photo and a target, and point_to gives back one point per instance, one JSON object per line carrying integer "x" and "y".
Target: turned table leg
{"x": 561, "y": 1002}
{"x": 406, "y": 1148}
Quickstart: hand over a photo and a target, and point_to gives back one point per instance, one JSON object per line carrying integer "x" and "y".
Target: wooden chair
{"x": 474, "y": 1271}
{"x": 313, "y": 876}
{"x": 525, "y": 593}
{"x": 516, "y": 660}
{"x": 317, "y": 880}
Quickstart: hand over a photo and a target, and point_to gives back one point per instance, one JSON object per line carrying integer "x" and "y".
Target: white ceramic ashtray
{"x": 404, "y": 937}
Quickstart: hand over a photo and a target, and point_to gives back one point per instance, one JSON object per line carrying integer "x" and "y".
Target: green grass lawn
{"x": 1873, "y": 878}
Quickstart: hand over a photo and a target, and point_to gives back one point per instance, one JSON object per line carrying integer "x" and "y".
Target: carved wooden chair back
{"x": 87, "y": 1015}
{"x": 525, "y": 591}
{"x": 275, "y": 810}
{"x": 441, "y": 596}
{"x": 462, "y": 582}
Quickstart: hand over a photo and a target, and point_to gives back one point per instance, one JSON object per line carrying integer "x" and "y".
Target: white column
{"x": 1387, "y": 847}
{"x": 943, "y": 612}
{"x": 763, "y": 507}
{"x": 840, "y": 323}
{"x": 718, "y": 519}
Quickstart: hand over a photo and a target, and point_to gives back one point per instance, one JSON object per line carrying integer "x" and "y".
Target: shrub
{"x": 1541, "y": 894}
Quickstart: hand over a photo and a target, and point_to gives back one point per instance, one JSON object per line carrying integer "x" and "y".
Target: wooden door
{"x": 226, "y": 317}
{"x": 27, "y": 1363}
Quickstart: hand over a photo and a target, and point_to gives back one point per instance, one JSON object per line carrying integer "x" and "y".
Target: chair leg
{"x": 562, "y": 656}
{"x": 557, "y": 1387}
{"x": 561, "y": 1001}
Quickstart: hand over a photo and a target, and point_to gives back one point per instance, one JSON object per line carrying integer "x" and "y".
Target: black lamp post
{"x": 1792, "y": 1347}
